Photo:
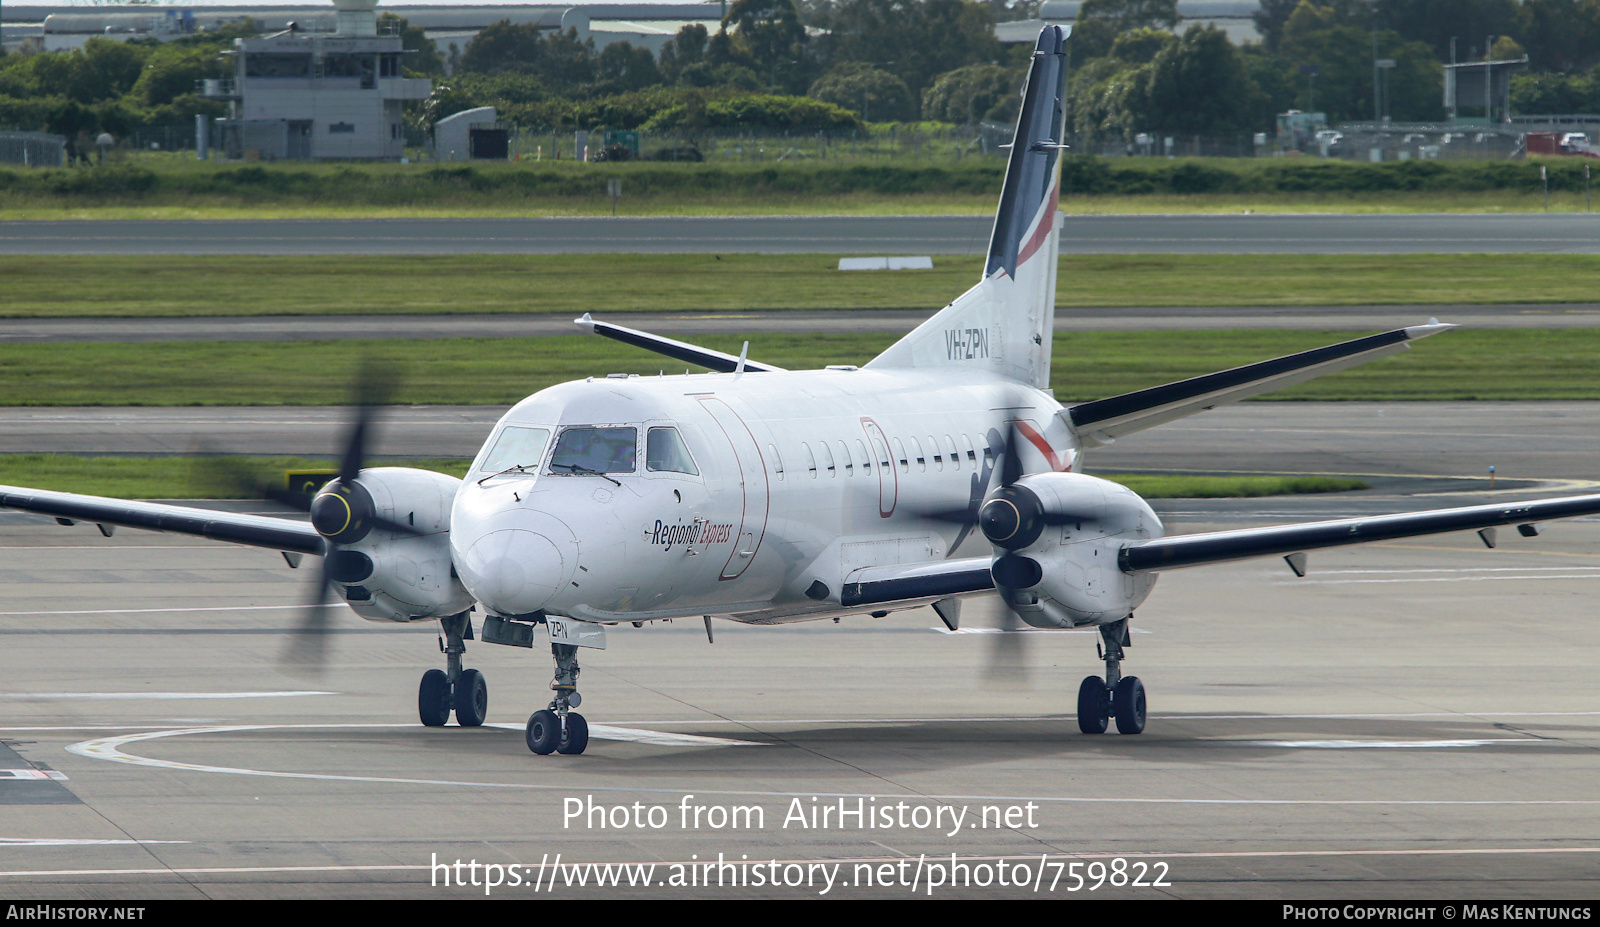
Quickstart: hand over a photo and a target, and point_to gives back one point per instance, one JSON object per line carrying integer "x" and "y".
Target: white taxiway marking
{"x": 109, "y": 749}
{"x": 1379, "y": 744}
{"x": 1442, "y": 579}
{"x": 31, "y": 773}
{"x": 75, "y": 842}
{"x": 1031, "y": 631}
{"x": 163, "y": 611}
{"x": 153, "y": 696}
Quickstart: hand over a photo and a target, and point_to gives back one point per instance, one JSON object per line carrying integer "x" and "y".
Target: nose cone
{"x": 512, "y": 572}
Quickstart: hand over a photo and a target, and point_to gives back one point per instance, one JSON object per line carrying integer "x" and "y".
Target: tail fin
{"x": 1004, "y": 324}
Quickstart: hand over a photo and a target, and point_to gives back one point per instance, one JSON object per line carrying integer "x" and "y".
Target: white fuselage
{"x": 803, "y": 479}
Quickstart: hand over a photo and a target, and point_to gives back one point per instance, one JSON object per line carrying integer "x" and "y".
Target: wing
{"x": 1191, "y": 550}
{"x": 935, "y": 580}
{"x": 1102, "y": 421}
{"x": 294, "y": 537}
{"x": 678, "y": 350}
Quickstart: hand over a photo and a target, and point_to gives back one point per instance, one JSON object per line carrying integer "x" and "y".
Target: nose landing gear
{"x": 461, "y": 689}
{"x": 559, "y": 729}
{"x": 1116, "y": 696}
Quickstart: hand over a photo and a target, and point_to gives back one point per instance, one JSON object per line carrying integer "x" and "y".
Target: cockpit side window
{"x": 664, "y": 452}
{"x": 517, "y": 446}
{"x": 596, "y": 450}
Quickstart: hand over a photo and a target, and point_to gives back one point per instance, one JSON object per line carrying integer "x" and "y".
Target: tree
{"x": 1198, "y": 86}
{"x": 1342, "y": 53}
{"x": 877, "y": 95}
{"x": 1141, "y": 45}
{"x": 1100, "y": 22}
{"x": 1561, "y": 35}
{"x": 1437, "y": 21}
{"x": 620, "y": 68}
{"x": 916, "y": 40}
{"x": 686, "y": 48}
{"x": 772, "y": 41}
{"x": 425, "y": 59}
{"x": 977, "y": 91}
{"x": 502, "y": 46}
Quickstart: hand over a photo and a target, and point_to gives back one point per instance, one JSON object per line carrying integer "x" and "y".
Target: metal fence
{"x": 33, "y": 149}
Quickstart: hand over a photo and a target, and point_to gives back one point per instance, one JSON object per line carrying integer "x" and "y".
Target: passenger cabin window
{"x": 777, "y": 461}
{"x": 811, "y": 460}
{"x": 938, "y": 459}
{"x": 596, "y": 450}
{"x": 866, "y": 459}
{"x": 664, "y": 452}
{"x": 950, "y": 448}
{"x": 849, "y": 464}
{"x": 900, "y": 453}
{"x": 916, "y": 450}
{"x": 827, "y": 458}
{"x": 972, "y": 455}
{"x": 518, "y": 446}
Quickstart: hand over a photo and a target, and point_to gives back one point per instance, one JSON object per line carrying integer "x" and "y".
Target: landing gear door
{"x": 753, "y": 483}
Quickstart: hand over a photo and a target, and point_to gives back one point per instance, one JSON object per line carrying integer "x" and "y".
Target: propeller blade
{"x": 1011, "y": 462}
{"x": 1008, "y": 661}
{"x": 375, "y": 385}
{"x": 307, "y": 652}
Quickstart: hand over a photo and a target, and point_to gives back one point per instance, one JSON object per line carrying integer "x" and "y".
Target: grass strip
{"x": 172, "y": 286}
{"x": 174, "y": 477}
{"x": 171, "y": 182}
{"x": 1509, "y": 364}
{"x": 198, "y": 478}
{"x": 1165, "y": 486}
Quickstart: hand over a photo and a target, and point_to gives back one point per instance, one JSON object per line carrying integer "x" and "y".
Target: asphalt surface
{"x": 1302, "y": 743}
{"x": 1364, "y": 732}
{"x": 786, "y": 321}
{"x": 913, "y": 235}
{"x": 1454, "y": 440}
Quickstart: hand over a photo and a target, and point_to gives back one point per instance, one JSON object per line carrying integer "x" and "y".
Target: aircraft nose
{"x": 512, "y": 572}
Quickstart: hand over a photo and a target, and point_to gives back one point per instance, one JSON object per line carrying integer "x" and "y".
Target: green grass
{"x": 198, "y": 478}
{"x": 170, "y": 477}
{"x": 610, "y": 283}
{"x": 1164, "y": 486}
{"x": 172, "y": 186}
{"x": 1461, "y": 365}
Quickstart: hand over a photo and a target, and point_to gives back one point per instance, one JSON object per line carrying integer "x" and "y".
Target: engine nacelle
{"x": 1061, "y": 533}
{"x": 385, "y": 575}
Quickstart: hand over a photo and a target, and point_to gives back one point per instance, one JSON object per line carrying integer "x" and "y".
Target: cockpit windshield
{"x": 596, "y": 450}
{"x": 664, "y": 452}
{"x": 517, "y": 447}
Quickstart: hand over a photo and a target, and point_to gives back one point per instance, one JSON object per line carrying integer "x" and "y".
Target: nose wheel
{"x": 463, "y": 690}
{"x": 1116, "y": 696}
{"x": 559, "y": 729}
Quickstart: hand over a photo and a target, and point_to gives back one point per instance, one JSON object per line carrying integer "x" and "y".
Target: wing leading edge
{"x": 237, "y": 528}
{"x": 1104, "y": 420}
{"x": 1192, "y": 550}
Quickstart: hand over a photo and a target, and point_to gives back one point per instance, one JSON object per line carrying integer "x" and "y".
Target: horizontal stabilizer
{"x": 1242, "y": 544}
{"x": 678, "y": 350}
{"x": 1104, "y": 420}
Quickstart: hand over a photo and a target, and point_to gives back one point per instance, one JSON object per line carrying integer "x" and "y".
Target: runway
{"x": 1456, "y": 440}
{"x": 1303, "y": 742}
{"x": 964, "y": 235}
{"x": 783, "y": 321}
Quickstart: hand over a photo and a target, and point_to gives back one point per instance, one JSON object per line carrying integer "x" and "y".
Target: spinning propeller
{"x": 342, "y": 511}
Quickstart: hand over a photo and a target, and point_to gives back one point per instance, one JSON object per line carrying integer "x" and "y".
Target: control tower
{"x": 300, "y": 94}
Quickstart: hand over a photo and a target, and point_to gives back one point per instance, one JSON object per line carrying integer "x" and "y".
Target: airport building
{"x": 644, "y": 25}
{"x": 299, "y": 94}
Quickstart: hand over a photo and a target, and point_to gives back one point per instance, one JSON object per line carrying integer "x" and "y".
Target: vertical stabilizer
{"x": 1004, "y": 323}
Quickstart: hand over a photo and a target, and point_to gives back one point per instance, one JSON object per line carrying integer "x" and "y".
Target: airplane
{"x": 941, "y": 470}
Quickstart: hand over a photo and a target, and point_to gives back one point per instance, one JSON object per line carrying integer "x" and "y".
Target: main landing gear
{"x": 461, "y": 689}
{"x": 1116, "y": 696}
{"x": 558, "y": 728}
